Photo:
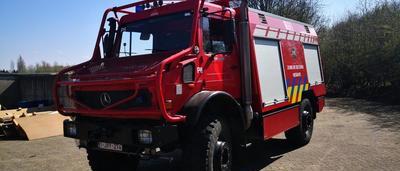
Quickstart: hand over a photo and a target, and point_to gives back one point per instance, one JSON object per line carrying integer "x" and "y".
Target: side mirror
{"x": 204, "y": 12}
{"x": 230, "y": 32}
{"x": 145, "y": 36}
{"x": 212, "y": 57}
{"x": 109, "y": 38}
{"x": 105, "y": 43}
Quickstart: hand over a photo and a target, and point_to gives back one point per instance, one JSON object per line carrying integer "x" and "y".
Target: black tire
{"x": 106, "y": 161}
{"x": 301, "y": 135}
{"x": 209, "y": 148}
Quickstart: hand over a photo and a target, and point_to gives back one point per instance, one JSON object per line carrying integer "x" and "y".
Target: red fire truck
{"x": 205, "y": 77}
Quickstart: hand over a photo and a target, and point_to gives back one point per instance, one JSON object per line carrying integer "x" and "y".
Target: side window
{"x": 214, "y": 38}
{"x": 312, "y": 58}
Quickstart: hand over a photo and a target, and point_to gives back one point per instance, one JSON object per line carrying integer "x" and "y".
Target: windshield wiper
{"x": 128, "y": 54}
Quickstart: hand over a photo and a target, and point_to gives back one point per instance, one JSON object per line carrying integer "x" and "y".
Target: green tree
{"x": 361, "y": 52}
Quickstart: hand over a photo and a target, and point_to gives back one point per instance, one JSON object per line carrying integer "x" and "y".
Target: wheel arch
{"x": 313, "y": 99}
{"x": 206, "y": 102}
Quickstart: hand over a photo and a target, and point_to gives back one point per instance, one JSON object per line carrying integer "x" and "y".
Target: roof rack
{"x": 143, "y": 5}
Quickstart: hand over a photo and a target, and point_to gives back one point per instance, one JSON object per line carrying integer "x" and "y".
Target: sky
{"x": 65, "y": 31}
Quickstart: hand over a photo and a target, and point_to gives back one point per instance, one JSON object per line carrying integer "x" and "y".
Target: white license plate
{"x": 109, "y": 146}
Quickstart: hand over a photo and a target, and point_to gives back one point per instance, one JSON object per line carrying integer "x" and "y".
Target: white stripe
{"x": 261, "y": 31}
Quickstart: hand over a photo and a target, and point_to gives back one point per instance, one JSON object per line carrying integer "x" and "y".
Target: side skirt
{"x": 280, "y": 121}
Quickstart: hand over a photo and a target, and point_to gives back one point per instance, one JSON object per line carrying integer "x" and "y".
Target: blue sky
{"x": 65, "y": 31}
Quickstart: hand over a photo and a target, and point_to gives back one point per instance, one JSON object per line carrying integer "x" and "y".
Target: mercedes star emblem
{"x": 105, "y": 99}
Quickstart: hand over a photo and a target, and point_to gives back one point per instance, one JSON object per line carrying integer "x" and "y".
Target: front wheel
{"x": 209, "y": 148}
{"x": 301, "y": 135}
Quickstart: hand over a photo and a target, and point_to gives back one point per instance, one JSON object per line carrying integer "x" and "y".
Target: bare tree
{"x": 307, "y": 11}
{"x": 12, "y": 66}
{"x": 364, "y": 6}
{"x": 21, "y": 66}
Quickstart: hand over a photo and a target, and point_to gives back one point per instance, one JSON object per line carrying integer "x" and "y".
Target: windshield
{"x": 158, "y": 34}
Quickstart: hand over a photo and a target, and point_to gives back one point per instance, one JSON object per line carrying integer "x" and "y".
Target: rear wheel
{"x": 301, "y": 135}
{"x": 209, "y": 147}
{"x": 105, "y": 161}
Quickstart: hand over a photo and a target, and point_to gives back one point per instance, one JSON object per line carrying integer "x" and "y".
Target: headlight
{"x": 63, "y": 97}
{"x": 188, "y": 73}
{"x": 70, "y": 129}
{"x": 67, "y": 76}
{"x": 145, "y": 137}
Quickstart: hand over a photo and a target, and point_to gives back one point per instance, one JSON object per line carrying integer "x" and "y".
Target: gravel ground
{"x": 349, "y": 135}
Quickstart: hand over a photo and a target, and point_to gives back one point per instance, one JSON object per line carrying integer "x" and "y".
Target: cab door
{"x": 221, "y": 62}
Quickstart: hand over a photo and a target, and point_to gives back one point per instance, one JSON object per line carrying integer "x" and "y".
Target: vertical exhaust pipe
{"x": 245, "y": 62}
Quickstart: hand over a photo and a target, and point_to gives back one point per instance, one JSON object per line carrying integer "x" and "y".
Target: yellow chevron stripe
{"x": 300, "y": 93}
{"x": 289, "y": 91}
{"x": 307, "y": 87}
{"x": 295, "y": 91}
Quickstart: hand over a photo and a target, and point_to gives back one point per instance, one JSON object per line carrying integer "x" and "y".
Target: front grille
{"x": 103, "y": 99}
{"x": 143, "y": 99}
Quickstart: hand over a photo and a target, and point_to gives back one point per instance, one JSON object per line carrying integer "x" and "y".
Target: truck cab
{"x": 206, "y": 77}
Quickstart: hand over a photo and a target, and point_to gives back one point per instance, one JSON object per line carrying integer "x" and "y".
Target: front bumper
{"x": 91, "y": 131}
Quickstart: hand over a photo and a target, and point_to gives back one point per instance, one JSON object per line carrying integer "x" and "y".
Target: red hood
{"x": 127, "y": 65}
